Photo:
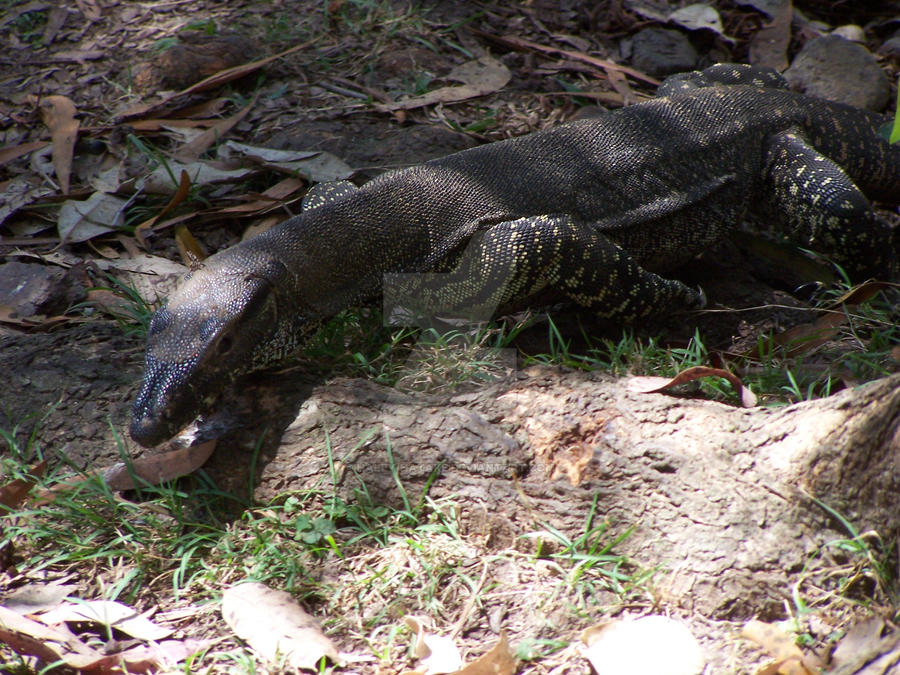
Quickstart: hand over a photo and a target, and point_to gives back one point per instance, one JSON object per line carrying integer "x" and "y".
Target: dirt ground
{"x": 722, "y": 513}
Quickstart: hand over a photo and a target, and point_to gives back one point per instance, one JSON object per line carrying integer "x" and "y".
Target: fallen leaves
{"x": 650, "y": 644}
{"x": 275, "y": 626}
{"x": 660, "y": 384}
{"x": 13, "y": 493}
{"x": 804, "y": 337}
{"x": 196, "y": 147}
{"x": 101, "y": 213}
{"x": 518, "y": 43}
{"x": 58, "y": 113}
{"x": 788, "y": 658}
{"x": 479, "y": 77}
{"x": 439, "y": 655}
{"x": 211, "y": 82}
{"x": 48, "y": 636}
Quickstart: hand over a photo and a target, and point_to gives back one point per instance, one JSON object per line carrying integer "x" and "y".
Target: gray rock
{"x": 890, "y": 48}
{"x": 839, "y": 70}
{"x": 31, "y": 289}
{"x": 662, "y": 51}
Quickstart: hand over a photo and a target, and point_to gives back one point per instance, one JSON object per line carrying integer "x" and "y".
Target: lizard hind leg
{"x": 819, "y": 206}
{"x": 516, "y": 260}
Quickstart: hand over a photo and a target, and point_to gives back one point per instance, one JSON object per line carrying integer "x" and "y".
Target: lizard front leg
{"x": 515, "y": 260}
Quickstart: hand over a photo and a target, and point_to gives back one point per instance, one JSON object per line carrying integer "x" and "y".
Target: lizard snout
{"x": 161, "y": 409}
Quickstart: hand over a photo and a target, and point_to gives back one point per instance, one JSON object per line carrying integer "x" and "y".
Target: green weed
{"x": 856, "y": 569}
{"x": 133, "y": 314}
{"x": 588, "y": 559}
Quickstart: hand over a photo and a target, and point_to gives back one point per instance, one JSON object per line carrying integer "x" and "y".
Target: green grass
{"x": 29, "y": 26}
{"x": 858, "y": 571}
{"x": 589, "y": 560}
{"x": 133, "y": 313}
{"x": 178, "y": 544}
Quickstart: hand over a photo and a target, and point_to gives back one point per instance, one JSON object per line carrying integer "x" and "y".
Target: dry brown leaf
{"x": 31, "y": 638}
{"x": 157, "y": 124}
{"x": 19, "y": 193}
{"x": 90, "y": 8}
{"x": 777, "y": 642}
{"x": 748, "y": 398}
{"x": 8, "y": 315}
{"x": 699, "y": 16}
{"x": 620, "y": 83}
{"x": 438, "y": 654}
{"x": 152, "y": 470}
{"x": 275, "y": 626}
{"x": 314, "y": 165}
{"x": 189, "y": 248}
{"x": 56, "y": 17}
{"x": 859, "y": 639}
{"x": 211, "y": 82}
{"x": 270, "y": 199}
{"x": 201, "y": 173}
{"x": 184, "y": 188}
{"x": 202, "y": 110}
{"x": 37, "y": 597}
{"x": 97, "y": 215}
{"x": 498, "y": 661}
{"x": 109, "y": 302}
{"x": 156, "y": 469}
{"x": 106, "y": 613}
{"x": 481, "y": 77}
{"x": 268, "y": 223}
{"x": 153, "y": 277}
{"x": 58, "y": 113}
{"x": 192, "y": 150}
{"x": 621, "y": 646}
{"x": 804, "y": 337}
{"x": 862, "y": 293}
{"x": 12, "y": 152}
{"x": 14, "y": 492}
{"x": 150, "y": 658}
{"x": 524, "y": 45}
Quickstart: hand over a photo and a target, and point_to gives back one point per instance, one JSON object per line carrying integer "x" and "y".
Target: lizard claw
{"x": 700, "y": 302}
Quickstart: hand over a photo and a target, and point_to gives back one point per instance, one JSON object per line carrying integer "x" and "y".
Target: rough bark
{"x": 720, "y": 495}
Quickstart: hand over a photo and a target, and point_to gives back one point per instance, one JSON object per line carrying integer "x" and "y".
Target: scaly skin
{"x": 593, "y": 210}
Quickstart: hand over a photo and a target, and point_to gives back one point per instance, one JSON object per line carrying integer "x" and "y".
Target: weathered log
{"x": 720, "y": 496}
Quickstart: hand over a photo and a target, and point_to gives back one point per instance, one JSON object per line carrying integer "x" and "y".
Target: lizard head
{"x": 225, "y": 318}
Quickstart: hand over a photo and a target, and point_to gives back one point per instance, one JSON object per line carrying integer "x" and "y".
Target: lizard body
{"x": 594, "y": 211}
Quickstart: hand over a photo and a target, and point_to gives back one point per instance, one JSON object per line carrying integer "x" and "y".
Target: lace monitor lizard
{"x": 593, "y": 210}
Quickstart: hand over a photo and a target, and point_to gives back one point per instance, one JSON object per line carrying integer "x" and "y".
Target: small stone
{"x": 662, "y": 51}
{"x": 851, "y": 32}
{"x": 890, "y": 48}
{"x": 839, "y": 70}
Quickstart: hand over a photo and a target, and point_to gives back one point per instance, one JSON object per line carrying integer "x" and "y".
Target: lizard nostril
{"x": 225, "y": 345}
